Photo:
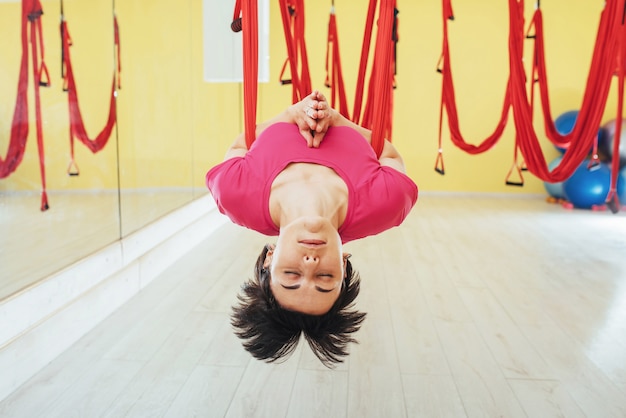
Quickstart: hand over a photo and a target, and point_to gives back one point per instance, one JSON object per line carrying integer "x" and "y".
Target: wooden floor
{"x": 477, "y": 307}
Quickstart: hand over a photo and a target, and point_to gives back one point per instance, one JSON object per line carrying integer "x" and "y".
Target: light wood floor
{"x": 477, "y": 307}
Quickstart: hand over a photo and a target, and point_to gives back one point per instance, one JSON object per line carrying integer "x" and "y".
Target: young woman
{"x": 312, "y": 178}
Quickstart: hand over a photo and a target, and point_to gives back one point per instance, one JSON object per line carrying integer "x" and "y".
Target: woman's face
{"x": 307, "y": 266}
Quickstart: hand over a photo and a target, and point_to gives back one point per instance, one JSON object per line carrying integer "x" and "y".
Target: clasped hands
{"x": 314, "y": 116}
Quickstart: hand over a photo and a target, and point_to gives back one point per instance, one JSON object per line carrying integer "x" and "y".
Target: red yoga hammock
{"x": 608, "y": 60}
{"x": 292, "y": 13}
{"x": 31, "y": 29}
{"x": 77, "y": 126}
{"x": 334, "y": 73}
{"x": 378, "y": 113}
{"x": 448, "y": 103}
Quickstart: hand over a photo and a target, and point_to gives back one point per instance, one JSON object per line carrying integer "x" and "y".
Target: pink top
{"x": 379, "y": 197}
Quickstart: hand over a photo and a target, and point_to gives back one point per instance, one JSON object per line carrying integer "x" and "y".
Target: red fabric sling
{"x": 334, "y": 73}
{"x": 292, "y": 13}
{"x": 381, "y": 82}
{"x": 581, "y": 139}
{"x": 31, "y": 29}
{"x": 380, "y": 99}
{"x": 609, "y": 48}
{"x": 246, "y": 20}
{"x": 77, "y": 126}
{"x": 365, "y": 50}
{"x": 612, "y": 198}
{"x": 19, "y": 126}
{"x": 36, "y": 37}
{"x": 448, "y": 103}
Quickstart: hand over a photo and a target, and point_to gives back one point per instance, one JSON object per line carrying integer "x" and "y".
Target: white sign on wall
{"x": 223, "y": 48}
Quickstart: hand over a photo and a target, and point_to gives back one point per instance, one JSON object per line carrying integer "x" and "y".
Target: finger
{"x": 306, "y": 134}
{"x": 317, "y": 139}
{"x": 319, "y": 96}
{"x": 319, "y": 106}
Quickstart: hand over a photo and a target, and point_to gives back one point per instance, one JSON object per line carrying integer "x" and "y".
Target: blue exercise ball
{"x": 555, "y": 190}
{"x": 588, "y": 188}
{"x": 607, "y": 135}
{"x": 564, "y": 124}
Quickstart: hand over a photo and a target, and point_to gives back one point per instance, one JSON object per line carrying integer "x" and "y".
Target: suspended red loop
{"x": 365, "y": 50}
{"x": 37, "y": 52}
{"x": 448, "y": 100}
{"x": 439, "y": 166}
{"x": 292, "y": 13}
{"x": 334, "y": 73}
{"x": 77, "y": 126}
{"x": 517, "y": 167}
{"x": 581, "y": 139}
{"x": 250, "y": 25}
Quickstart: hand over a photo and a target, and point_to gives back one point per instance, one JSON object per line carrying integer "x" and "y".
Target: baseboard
{"x": 44, "y": 320}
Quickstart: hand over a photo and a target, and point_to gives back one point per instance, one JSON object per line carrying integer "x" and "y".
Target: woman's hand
{"x": 313, "y": 117}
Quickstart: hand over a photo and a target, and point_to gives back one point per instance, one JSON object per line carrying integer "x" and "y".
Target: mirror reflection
{"x": 113, "y": 178}
{"x": 59, "y": 199}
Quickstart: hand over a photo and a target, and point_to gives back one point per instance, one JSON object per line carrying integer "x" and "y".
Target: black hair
{"x": 270, "y": 332}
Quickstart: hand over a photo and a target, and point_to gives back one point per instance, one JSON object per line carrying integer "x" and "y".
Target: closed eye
{"x": 297, "y": 286}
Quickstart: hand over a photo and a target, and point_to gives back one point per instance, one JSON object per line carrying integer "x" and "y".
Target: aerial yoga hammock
{"x": 609, "y": 47}
{"x": 77, "y": 126}
{"x": 607, "y": 61}
{"x": 380, "y": 97}
{"x": 448, "y": 103}
{"x": 334, "y": 74}
{"x": 31, "y": 28}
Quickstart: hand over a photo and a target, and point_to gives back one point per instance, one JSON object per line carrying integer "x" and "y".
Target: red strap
{"x": 612, "y": 199}
{"x": 517, "y": 167}
{"x": 334, "y": 74}
{"x": 250, "y": 29}
{"x": 448, "y": 102}
{"x": 31, "y": 13}
{"x": 118, "y": 47}
{"x": 292, "y": 13}
{"x": 77, "y": 126}
{"x": 37, "y": 40}
{"x": 236, "y": 25}
{"x": 365, "y": 49}
{"x": 380, "y": 102}
{"x": 19, "y": 125}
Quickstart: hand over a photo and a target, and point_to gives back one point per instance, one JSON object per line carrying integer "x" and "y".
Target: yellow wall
{"x": 173, "y": 126}
{"x": 478, "y": 42}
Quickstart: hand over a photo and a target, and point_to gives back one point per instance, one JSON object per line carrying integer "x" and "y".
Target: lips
{"x": 315, "y": 242}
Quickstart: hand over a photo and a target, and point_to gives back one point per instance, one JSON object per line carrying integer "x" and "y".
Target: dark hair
{"x": 271, "y": 332}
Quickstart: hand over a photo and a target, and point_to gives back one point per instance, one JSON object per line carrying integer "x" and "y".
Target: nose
{"x": 309, "y": 258}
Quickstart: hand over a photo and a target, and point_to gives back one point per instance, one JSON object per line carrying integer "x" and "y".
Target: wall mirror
{"x": 159, "y": 147}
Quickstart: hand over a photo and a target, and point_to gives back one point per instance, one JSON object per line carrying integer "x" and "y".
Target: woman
{"x": 312, "y": 178}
